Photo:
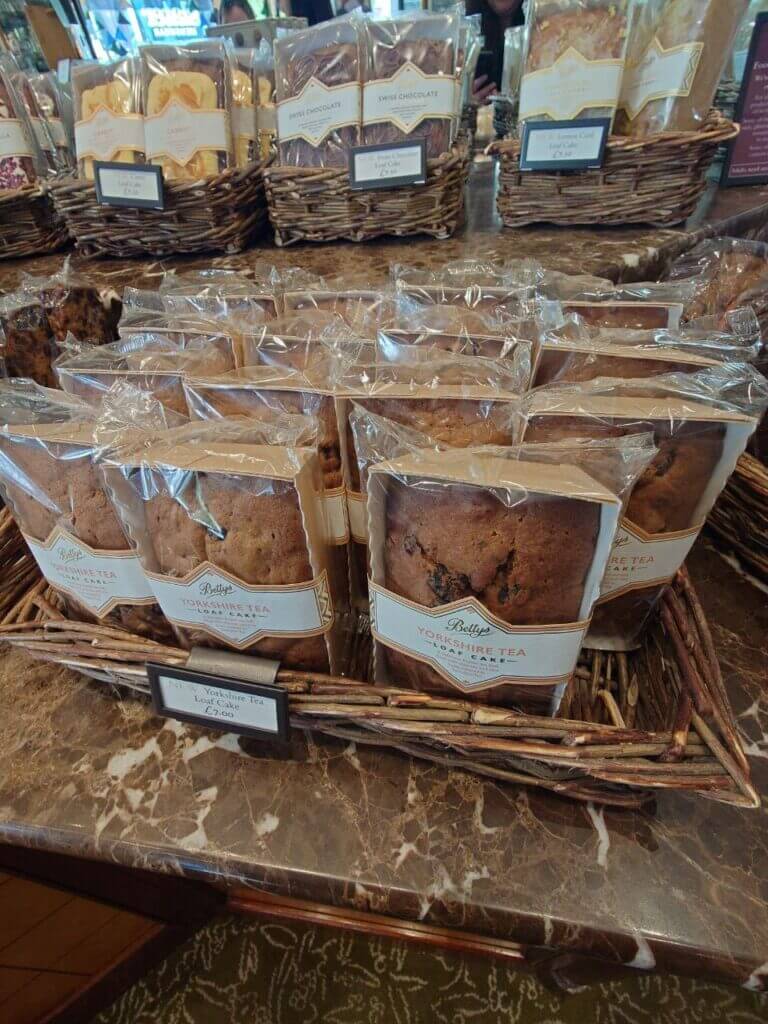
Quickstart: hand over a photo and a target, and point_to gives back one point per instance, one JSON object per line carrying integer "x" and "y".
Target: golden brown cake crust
{"x": 447, "y": 542}
{"x": 248, "y": 526}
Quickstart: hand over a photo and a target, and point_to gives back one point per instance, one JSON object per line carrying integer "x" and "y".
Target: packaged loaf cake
{"x": 362, "y": 306}
{"x": 677, "y": 53}
{"x": 152, "y": 365}
{"x": 29, "y": 348}
{"x": 187, "y": 107}
{"x": 75, "y": 307}
{"x": 267, "y": 394}
{"x": 574, "y": 58}
{"x": 724, "y": 274}
{"x": 319, "y": 97}
{"x": 21, "y": 159}
{"x": 49, "y": 480}
{"x": 484, "y": 572}
{"x": 701, "y": 424}
{"x": 409, "y": 89}
{"x": 229, "y": 534}
{"x": 222, "y": 295}
{"x": 108, "y": 114}
{"x": 643, "y": 305}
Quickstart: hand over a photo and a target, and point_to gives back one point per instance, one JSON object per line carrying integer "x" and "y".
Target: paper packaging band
{"x": 245, "y": 668}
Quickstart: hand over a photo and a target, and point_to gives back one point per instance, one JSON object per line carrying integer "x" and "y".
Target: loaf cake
{"x": 526, "y": 544}
{"x": 210, "y": 521}
{"x": 28, "y": 345}
{"x": 563, "y": 361}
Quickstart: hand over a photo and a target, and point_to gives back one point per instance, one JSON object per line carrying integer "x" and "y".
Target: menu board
{"x": 747, "y": 159}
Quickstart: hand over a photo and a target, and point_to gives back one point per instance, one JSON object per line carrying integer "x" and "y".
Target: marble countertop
{"x": 680, "y": 885}
{"x": 633, "y": 253}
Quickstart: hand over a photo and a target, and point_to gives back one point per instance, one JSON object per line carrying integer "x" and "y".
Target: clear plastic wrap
{"x": 484, "y": 572}
{"x": 314, "y": 341}
{"x": 245, "y": 129}
{"x": 677, "y": 52}
{"x": 152, "y": 365}
{"x": 643, "y": 305}
{"x": 218, "y": 294}
{"x": 76, "y": 307}
{"x": 22, "y": 161}
{"x": 724, "y": 274}
{"x": 701, "y": 423}
{"x": 409, "y": 89}
{"x": 311, "y": 131}
{"x": 28, "y": 346}
{"x": 266, "y": 103}
{"x": 50, "y": 483}
{"x": 477, "y": 283}
{"x": 40, "y": 127}
{"x": 574, "y": 58}
{"x": 109, "y": 123}
{"x": 159, "y": 329}
{"x": 229, "y": 533}
{"x": 56, "y": 109}
{"x": 512, "y": 68}
{"x": 187, "y": 95}
{"x": 362, "y": 306}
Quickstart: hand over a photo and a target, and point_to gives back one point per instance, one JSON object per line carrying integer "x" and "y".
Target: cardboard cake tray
{"x": 654, "y": 180}
{"x": 629, "y": 725}
{"x": 224, "y": 213}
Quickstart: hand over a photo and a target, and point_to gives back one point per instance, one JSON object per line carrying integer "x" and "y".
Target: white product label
{"x": 219, "y": 703}
{"x": 99, "y": 580}
{"x": 357, "y": 508}
{"x": 13, "y": 139}
{"x": 240, "y": 614}
{"x": 563, "y": 145}
{"x": 570, "y": 85}
{"x": 266, "y": 119}
{"x": 44, "y": 139}
{"x": 58, "y": 132}
{"x": 179, "y": 133}
{"x": 659, "y": 74}
{"x": 639, "y": 559}
{"x": 141, "y": 185}
{"x": 336, "y": 521}
{"x": 317, "y": 111}
{"x": 388, "y": 164}
{"x": 408, "y": 98}
{"x": 105, "y": 134}
{"x": 471, "y": 648}
{"x": 244, "y": 121}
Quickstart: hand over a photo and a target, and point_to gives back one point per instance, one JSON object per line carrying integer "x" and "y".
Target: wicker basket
{"x": 628, "y": 725}
{"x": 220, "y": 214}
{"x": 739, "y": 520}
{"x": 29, "y": 223}
{"x": 657, "y": 180}
{"x": 316, "y": 204}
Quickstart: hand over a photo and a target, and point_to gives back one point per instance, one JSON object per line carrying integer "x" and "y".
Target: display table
{"x": 681, "y": 885}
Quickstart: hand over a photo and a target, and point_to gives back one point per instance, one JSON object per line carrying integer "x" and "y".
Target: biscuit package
{"x": 574, "y": 58}
{"x": 50, "y": 482}
{"x": 677, "y": 53}
{"x": 187, "y": 95}
{"x": 701, "y": 423}
{"x": 229, "y": 532}
{"x": 409, "y": 89}
{"x": 483, "y": 573}
{"x": 22, "y": 161}
{"x": 108, "y": 114}
{"x": 154, "y": 366}
{"x": 319, "y": 98}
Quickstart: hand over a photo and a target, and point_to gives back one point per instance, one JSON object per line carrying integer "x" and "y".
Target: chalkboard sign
{"x": 747, "y": 159}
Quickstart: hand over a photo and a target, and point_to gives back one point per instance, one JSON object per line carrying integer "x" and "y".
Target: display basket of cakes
{"x": 586, "y": 59}
{"x": 202, "y": 114}
{"x": 729, "y": 273}
{"x": 36, "y": 150}
{"x": 353, "y": 84}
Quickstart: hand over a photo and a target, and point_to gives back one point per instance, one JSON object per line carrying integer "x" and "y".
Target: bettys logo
{"x": 216, "y": 589}
{"x": 473, "y": 629}
{"x": 622, "y": 539}
{"x": 69, "y": 555}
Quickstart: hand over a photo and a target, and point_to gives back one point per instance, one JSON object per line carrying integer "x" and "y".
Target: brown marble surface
{"x": 632, "y": 253}
{"x": 681, "y": 885}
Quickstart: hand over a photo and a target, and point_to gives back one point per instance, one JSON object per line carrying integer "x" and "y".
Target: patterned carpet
{"x": 246, "y": 971}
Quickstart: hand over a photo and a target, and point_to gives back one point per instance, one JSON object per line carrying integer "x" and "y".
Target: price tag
{"x": 388, "y": 166}
{"x": 129, "y": 185}
{"x": 564, "y": 145}
{"x": 248, "y": 709}
{"x": 747, "y": 159}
